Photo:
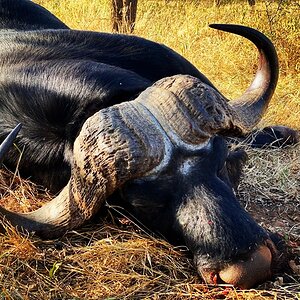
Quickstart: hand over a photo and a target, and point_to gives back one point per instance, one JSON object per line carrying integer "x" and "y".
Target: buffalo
{"x": 107, "y": 116}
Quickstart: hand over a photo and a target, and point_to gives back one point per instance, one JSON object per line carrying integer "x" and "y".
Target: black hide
{"x": 52, "y": 80}
{"x": 192, "y": 202}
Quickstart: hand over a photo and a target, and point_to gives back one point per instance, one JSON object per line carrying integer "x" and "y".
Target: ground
{"x": 112, "y": 258}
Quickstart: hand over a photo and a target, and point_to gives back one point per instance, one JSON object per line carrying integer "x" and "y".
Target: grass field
{"x": 228, "y": 61}
{"x": 114, "y": 259}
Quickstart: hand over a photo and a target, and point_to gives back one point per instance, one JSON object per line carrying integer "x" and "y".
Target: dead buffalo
{"x": 112, "y": 115}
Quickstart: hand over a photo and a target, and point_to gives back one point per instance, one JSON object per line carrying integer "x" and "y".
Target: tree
{"x": 124, "y": 15}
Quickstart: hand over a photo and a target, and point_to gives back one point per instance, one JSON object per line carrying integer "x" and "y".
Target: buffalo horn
{"x": 7, "y": 143}
{"x": 250, "y": 107}
{"x": 136, "y": 138}
{"x": 114, "y": 145}
{"x": 127, "y": 141}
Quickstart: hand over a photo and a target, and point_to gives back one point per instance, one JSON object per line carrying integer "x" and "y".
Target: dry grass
{"x": 227, "y": 60}
{"x": 115, "y": 260}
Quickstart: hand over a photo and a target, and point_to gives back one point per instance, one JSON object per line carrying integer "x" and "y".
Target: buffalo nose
{"x": 245, "y": 274}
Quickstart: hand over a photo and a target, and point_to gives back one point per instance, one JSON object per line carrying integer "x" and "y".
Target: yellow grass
{"x": 113, "y": 260}
{"x": 228, "y": 61}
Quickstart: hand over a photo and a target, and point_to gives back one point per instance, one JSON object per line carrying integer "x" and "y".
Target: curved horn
{"x": 189, "y": 111}
{"x": 128, "y": 141}
{"x": 131, "y": 139}
{"x": 8, "y": 141}
{"x": 250, "y": 107}
{"x": 113, "y": 146}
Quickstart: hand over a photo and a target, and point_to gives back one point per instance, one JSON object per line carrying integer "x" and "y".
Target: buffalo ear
{"x": 234, "y": 166}
{"x": 8, "y": 142}
{"x": 217, "y": 155}
{"x": 274, "y": 136}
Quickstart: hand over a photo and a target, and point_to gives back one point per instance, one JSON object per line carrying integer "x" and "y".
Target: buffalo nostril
{"x": 246, "y": 274}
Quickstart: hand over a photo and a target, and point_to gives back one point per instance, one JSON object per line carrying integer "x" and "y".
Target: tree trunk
{"x": 217, "y": 3}
{"x": 123, "y": 15}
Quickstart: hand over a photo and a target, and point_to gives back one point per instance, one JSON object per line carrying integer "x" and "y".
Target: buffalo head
{"x": 166, "y": 156}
